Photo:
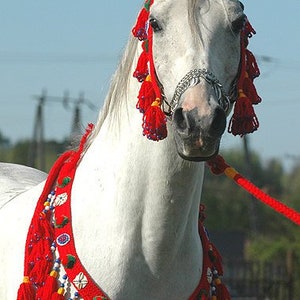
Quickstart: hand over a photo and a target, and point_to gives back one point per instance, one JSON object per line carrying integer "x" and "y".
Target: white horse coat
{"x": 135, "y": 202}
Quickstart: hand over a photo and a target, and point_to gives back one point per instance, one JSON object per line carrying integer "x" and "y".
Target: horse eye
{"x": 237, "y": 25}
{"x": 155, "y": 25}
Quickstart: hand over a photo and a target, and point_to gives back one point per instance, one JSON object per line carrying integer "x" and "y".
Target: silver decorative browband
{"x": 193, "y": 78}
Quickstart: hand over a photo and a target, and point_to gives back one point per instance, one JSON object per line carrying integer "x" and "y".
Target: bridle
{"x": 156, "y": 108}
{"x": 195, "y": 77}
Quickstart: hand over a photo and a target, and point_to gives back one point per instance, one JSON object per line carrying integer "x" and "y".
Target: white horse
{"x": 135, "y": 202}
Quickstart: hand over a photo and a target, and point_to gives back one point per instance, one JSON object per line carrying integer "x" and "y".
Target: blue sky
{"x": 75, "y": 46}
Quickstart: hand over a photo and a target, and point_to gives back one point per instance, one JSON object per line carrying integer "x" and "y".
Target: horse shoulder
{"x": 17, "y": 179}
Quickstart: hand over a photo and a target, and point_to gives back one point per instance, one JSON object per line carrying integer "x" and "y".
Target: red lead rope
{"x": 218, "y": 166}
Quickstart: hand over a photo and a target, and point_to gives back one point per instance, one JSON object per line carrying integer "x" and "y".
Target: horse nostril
{"x": 218, "y": 123}
{"x": 189, "y": 122}
{"x": 183, "y": 121}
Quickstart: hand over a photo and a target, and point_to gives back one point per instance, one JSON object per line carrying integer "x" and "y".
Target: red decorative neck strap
{"x": 51, "y": 230}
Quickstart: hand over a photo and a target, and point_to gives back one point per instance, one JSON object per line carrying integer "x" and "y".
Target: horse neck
{"x": 140, "y": 187}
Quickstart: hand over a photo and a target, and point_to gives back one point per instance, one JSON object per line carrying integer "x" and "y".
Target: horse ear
{"x": 242, "y": 5}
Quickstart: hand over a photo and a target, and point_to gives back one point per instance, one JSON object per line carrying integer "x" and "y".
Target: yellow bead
{"x": 26, "y": 279}
{"x": 230, "y": 172}
{"x": 157, "y": 102}
{"x": 61, "y": 291}
{"x": 53, "y": 273}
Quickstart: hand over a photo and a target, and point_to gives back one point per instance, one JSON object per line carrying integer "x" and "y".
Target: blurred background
{"x": 57, "y": 58}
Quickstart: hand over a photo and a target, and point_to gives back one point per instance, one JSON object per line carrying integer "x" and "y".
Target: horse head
{"x": 195, "y": 59}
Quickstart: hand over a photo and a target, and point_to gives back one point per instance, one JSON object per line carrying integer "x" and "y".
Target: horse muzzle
{"x": 198, "y": 137}
{"x": 199, "y": 109}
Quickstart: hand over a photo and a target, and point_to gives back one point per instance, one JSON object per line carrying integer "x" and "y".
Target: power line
{"x": 30, "y": 57}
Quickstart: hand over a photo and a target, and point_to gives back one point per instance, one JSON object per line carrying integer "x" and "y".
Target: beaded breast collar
{"x": 51, "y": 229}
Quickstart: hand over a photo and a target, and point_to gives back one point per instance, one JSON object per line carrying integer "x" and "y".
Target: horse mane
{"x": 118, "y": 89}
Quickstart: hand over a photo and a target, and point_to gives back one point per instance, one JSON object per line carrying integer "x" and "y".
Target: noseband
{"x": 195, "y": 77}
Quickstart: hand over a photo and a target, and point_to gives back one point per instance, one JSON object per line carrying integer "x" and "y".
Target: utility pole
{"x": 36, "y": 156}
{"x": 76, "y": 124}
{"x": 37, "y": 150}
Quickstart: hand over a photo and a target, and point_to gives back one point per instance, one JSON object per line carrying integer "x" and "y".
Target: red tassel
{"x": 244, "y": 119}
{"x": 142, "y": 71}
{"x": 249, "y": 30}
{"x": 252, "y": 66}
{"x": 40, "y": 255}
{"x": 139, "y": 30}
{"x": 26, "y": 290}
{"x": 221, "y": 291}
{"x": 250, "y": 90}
{"x": 50, "y": 286}
{"x": 59, "y": 295}
{"x": 146, "y": 95}
{"x": 155, "y": 122}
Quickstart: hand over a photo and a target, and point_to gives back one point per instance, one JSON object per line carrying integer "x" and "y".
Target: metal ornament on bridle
{"x": 195, "y": 77}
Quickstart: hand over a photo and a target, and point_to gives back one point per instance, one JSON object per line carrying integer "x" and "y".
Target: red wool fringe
{"x": 149, "y": 98}
{"x": 155, "y": 122}
{"x": 146, "y": 95}
{"x": 222, "y": 291}
{"x": 250, "y": 90}
{"x": 142, "y": 71}
{"x": 244, "y": 119}
{"x": 38, "y": 260}
{"x": 49, "y": 288}
{"x": 26, "y": 290}
{"x": 252, "y": 66}
{"x": 139, "y": 30}
{"x": 58, "y": 296}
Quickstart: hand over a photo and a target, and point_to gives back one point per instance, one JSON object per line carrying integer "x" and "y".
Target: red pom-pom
{"x": 141, "y": 70}
{"x": 221, "y": 291}
{"x": 250, "y": 90}
{"x": 155, "y": 122}
{"x": 39, "y": 254}
{"x": 49, "y": 288}
{"x": 244, "y": 119}
{"x": 248, "y": 29}
{"x": 26, "y": 290}
{"x": 146, "y": 95}
{"x": 251, "y": 65}
{"x": 59, "y": 295}
{"x": 140, "y": 29}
